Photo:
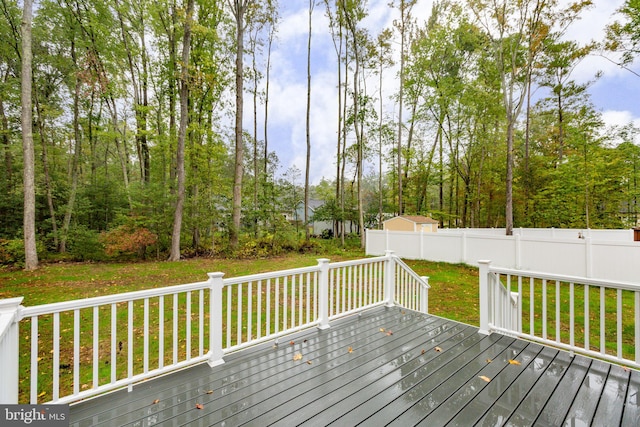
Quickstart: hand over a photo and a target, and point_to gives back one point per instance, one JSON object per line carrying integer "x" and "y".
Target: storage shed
{"x": 417, "y": 223}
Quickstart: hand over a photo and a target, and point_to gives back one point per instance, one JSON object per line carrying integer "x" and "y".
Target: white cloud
{"x": 613, "y": 118}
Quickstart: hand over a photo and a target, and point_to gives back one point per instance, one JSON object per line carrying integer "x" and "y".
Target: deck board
{"x": 404, "y": 368}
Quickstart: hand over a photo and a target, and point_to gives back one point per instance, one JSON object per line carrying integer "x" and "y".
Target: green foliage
{"x": 84, "y": 244}
{"x": 109, "y": 160}
{"x": 11, "y": 252}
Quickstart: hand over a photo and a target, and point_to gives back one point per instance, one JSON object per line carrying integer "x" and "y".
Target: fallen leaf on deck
{"x": 423, "y": 351}
{"x": 350, "y": 349}
{"x": 487, "y": 379}
{"x": 297, "y": 356}
{"x": 381, "y": 329}
{"x": 199, "y": 406}
{"x": 489, "y": 360}
{"x": 209, "y": 392}
{"x": 156, "y": 401}
{"x": 291, "y": 342}
{"x": 309, "y": 362}
{"x": 438, "y": 349}
{"x": 389, "y": 333}
{"x": 514, "y": 362}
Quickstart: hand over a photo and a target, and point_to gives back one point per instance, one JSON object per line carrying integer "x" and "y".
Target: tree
{"x": 182, "y": 135}
{"x": 624, "y": 37}
{"x": 238, "y": 9}
{"x": 353, "y": 13}
{"x": 308, "y": 128}
{"x": 29, "y": 224}
{"x": 403, "y": 27}
{"x": 384, "y": 59}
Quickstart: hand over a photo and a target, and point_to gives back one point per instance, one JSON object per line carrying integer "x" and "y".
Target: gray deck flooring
{"x": 387, "y": 366}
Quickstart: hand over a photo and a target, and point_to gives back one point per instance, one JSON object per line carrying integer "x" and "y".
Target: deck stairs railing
{"x": 69, "y": 351}
{"x": 596, "y": 318}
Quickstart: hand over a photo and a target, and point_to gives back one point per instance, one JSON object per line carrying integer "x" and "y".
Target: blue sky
{"x": 615, "y": 94}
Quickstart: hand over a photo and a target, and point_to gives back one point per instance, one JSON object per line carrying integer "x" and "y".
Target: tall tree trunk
{"x": 339, "y": 227}
{"x": 509, "y": 179}
{"x": 265, "y": 166}
{"x": 405, "y": 11}
{"x": 380, "y": 143}
{"x": 28, "y": 151}
{"x": 343, "y": 154}
{"x": 139, "y": 108}
{"x": 77, "y": 144}
{"x": 238, "y": 7}
{"x": 47, "y": 174}
{"x": 256, "y": 173}
{"x": 6, "y": 144}
{"x": 182, "y": 135}
{"x": 308, "y": 129}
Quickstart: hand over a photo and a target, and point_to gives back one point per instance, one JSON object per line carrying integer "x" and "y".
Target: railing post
{"x": 215, "y": 319}
{"x": 323, "y": 293}
{"x": 9, "y": 349}
{"x": 424, "y": 295}
{"x": 390, "y": 279}
{"x": 485, "y": 306}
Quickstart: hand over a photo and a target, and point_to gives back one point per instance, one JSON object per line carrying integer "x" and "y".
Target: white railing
{"x": 592, "y": 317}
{"x": 74, "y": 350}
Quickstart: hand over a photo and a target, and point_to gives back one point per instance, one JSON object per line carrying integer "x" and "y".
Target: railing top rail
{"x": 411, "y": 272}
{"x": 357, "y": 262}
{"x": 270, "y": 275}
{"x": 58, "y": 307}
{"x": 565, "y": 278}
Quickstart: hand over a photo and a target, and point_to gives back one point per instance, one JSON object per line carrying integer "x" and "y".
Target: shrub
{"x": 128, "y": 240}
{"x": 12, "y": 252}
{"x": 84, "y": 244}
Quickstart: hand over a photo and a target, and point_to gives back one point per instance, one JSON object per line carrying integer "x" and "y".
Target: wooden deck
{"x": 384, "y": 366}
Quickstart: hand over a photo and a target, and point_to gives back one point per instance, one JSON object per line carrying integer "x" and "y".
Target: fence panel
{"x": 587, "y": 256}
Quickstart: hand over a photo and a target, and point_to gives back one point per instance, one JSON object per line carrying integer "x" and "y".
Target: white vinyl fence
{"x": 590, "y": 256}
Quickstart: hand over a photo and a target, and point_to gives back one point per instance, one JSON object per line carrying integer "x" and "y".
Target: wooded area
{"x": 138, "y": 144}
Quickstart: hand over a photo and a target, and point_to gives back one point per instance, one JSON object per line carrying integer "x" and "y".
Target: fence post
{"x": 485, "y": 306}
{"x": 323, "y": 293}
{"x": 386, "y": 240}
{"x": 390, "y": 279}
{"x": 424, "y": 295}
{"x": 463, "y": 248}
{"x": 588, "y": 252}
{"x": 215, "y": 319}
{"x": 9, "y": 349}
{"x": 518, "y": 253}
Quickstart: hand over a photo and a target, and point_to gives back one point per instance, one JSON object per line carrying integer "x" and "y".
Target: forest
{"x": 131, "y": 129}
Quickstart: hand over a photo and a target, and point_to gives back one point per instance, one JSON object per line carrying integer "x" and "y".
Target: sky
{"x": 615, "y": 94}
